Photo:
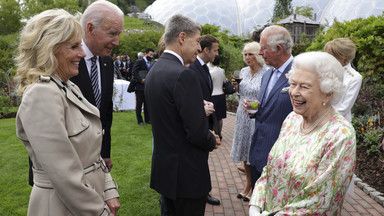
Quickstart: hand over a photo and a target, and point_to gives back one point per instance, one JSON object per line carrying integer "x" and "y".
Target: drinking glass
{"x": 252, "y": 106}
{"x": 236, "y": 75}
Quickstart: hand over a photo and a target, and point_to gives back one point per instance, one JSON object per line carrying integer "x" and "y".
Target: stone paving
{"x": 228, "y": 181}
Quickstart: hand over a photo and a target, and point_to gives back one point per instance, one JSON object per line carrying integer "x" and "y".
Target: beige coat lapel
{"x": 76, "y": 97}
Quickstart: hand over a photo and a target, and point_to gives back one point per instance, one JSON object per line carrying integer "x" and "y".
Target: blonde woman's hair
{"x": 341, "y": 48}
{"x": 40, "y": 40}
{"x": 254, "y": 48}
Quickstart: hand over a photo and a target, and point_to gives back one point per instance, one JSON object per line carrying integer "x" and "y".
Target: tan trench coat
{"x": 62, "y": 133}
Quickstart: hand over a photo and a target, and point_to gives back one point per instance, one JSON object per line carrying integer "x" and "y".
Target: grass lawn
{"x": 131, "y": 156}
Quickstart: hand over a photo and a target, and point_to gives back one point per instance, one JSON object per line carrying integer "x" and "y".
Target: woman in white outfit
{"x": 218, "y": 96}
{"x": 343, "y": 49}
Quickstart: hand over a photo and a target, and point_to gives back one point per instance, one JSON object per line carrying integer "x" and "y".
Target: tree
{"x": 305, "y": 11}
{"x": 283, "y": 8}
{"x": 10, "y": 16}
{"x": 33, "y": 7}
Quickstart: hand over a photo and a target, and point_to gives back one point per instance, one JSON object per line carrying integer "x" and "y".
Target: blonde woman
{"x": 343, "y": 49}
{"x": 59, "y": 127}
{"x": 249, "y": 88}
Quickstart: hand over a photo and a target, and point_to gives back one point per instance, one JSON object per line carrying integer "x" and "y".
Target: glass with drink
{"x": 252, "y": 106}
{"x": 236, "y": 75}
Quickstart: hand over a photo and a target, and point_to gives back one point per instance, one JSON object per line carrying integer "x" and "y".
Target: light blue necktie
{"x": 272, "y": 81}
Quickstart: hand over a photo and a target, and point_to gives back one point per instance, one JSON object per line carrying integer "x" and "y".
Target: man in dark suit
{"x": 276, "y": 45}
{"x": 182, "y": 140}
{"x": 140, "y": 68}
{"x": 128, "y": 67}
{"x": 209, "y": 49}
{"x": 101, "y": 34}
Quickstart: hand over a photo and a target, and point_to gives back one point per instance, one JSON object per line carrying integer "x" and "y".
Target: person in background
{"x": 129, "y": 67}
{"x": 256, "y": 35}
{"x": 343, "y": 49}
{"x": 182, "y": 140}
{"x": 161, "y": 45}
{"x": 117, "y": 68}
{"x": 275, "y": 48}
{"x": 102, "y": 23}
{"x": 311, "y": 164}
{"x": 249, "y": 88}
{"x": 140, "y": 55}
{"x": 139, "y": 71}
{"x": 58, "y": 126}
{"x": 218, "y": 96}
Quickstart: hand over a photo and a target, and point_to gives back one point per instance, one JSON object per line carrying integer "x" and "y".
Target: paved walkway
{"x": 228, "y": 181}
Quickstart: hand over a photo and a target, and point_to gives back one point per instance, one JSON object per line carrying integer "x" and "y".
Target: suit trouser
{"x": 255, "y": 175}
{"x": 182, "y": 206}
{"x": 140, "y": 100}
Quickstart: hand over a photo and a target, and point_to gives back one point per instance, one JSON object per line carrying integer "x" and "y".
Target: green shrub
{"x": 367, "y": 34}
{"x": 368, "y": 133}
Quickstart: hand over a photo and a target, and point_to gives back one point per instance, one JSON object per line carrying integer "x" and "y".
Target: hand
{"x": 142, "y": 81}
{"x": 113, "y": 205}
{"x": 254, "y": 211}
{"x": 218, "y": 142}
{"x": 234, "y": 83}
{"x": 245, "y": 106}
{"x": 208, "y": 107}
{"x": 108, "y": 163}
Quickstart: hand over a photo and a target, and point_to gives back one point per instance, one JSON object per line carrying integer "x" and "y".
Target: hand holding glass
{"x": 252, "y": 106}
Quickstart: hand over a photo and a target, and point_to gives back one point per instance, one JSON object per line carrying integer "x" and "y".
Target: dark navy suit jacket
{"x": 269, "y": 118}
{"x": 205, "y": 85}
{"x": 182, "y": 140}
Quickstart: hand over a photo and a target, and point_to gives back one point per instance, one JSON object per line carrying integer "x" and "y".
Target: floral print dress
{"x": 308, "y": 174}
{"x": 249, "y": 88}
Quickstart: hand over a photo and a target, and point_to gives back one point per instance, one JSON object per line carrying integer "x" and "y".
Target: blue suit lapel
{"x": 279, "y": 83}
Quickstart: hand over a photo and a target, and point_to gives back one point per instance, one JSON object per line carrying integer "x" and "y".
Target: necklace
{"x": 314, "y": 125}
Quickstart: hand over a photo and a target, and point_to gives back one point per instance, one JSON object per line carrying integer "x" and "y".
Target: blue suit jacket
{"x": 269, "y": 118}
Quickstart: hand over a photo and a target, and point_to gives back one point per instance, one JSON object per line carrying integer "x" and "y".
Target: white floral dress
{"x": 308, "y": 174}
{"x": 249, "y": 88}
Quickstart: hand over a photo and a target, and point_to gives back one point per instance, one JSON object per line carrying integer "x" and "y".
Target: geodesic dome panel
{"x": 241, "y": 17}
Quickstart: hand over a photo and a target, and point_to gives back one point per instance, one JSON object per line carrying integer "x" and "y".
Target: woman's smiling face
{"x": 305, "y": 93}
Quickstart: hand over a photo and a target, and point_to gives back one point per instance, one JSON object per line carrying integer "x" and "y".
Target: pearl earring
{"x": 323, "y": 103}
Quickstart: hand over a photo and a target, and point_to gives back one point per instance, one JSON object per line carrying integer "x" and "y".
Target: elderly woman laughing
{"x": 311, "y": 164}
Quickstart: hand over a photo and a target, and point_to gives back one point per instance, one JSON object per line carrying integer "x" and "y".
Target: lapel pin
{"x": 105, "y": 64}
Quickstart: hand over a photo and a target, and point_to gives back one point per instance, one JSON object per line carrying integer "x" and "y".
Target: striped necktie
{"x": 95, "y": 82}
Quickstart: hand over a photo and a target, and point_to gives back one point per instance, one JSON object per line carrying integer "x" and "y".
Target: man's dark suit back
{"x": 140, "y": 65}
{"x": 182, "y": 140}
{"x": 106, "y": 107}
{"x": 269, "y": 118}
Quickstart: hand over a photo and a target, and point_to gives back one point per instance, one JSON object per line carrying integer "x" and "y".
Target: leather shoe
{"x": 240, "y": 196}
{"x": 212, "y": 200}
{"x": 141, "y": 123}
{"x": 246, "y": 198}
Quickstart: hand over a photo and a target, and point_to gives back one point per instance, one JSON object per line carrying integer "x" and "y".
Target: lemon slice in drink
{"x": 254, "y": 105}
